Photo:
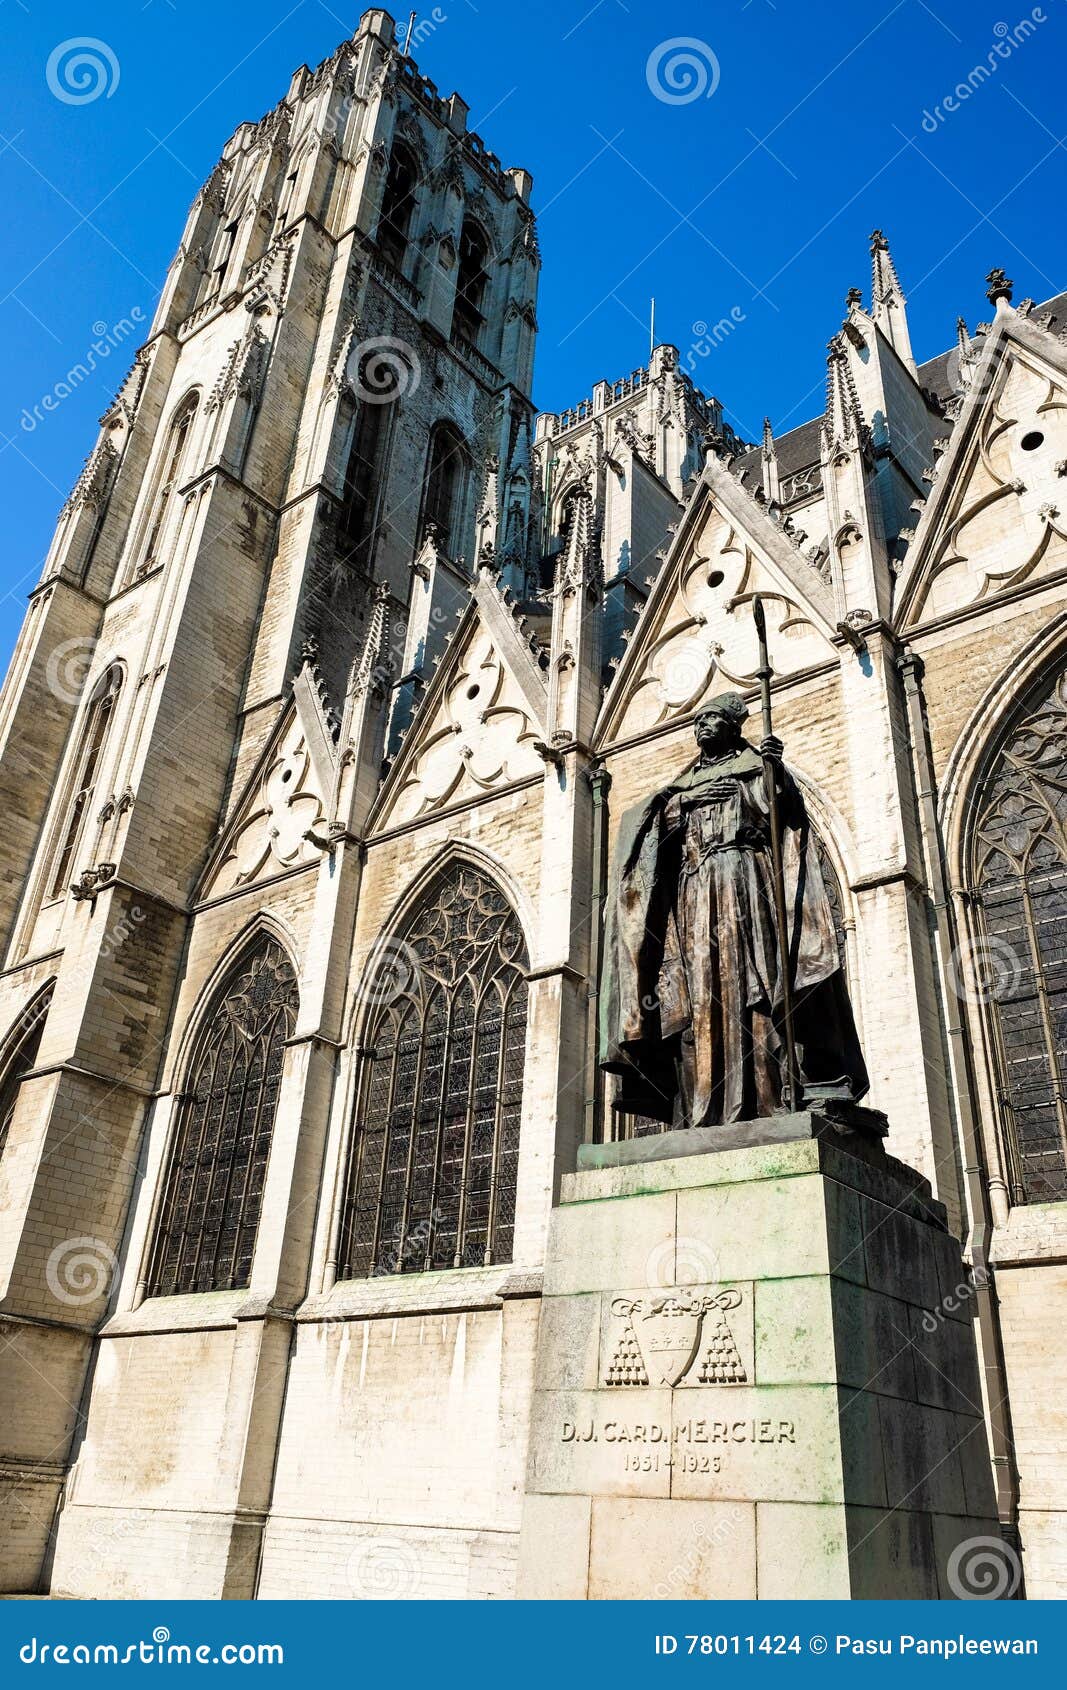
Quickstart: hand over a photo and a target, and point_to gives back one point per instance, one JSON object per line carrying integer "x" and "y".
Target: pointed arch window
{"x": 1019, "y": 875}
{"x": 98, "y": 721}
{"x": 436, "y": 1143}
{"x": 447, "y": 474}
{"x": 366, "y": 476}
{"x": 225, "y": 241}
{"x": 568, "y": 511}
{"x": 170, "y": 477}
{"x": 398, "y": 206}
{"x": 213, "y": 1192}
{"x": 18, "y": 1056}
{"x": 472, "y": 280}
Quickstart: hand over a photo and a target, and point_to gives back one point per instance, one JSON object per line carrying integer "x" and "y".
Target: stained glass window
{"x": 210, "y": 1213}
{"x": 1020, "y": 878}
{"x": 436, "y": 1144}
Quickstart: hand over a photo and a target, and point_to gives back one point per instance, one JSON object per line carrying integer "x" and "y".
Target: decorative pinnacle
{"x": 998, "y": 286}
{"x": 843, "y": 419}
{"x": 885, "y": 283}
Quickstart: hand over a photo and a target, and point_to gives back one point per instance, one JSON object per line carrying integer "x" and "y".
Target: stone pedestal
{"x": 756, "y": 1375}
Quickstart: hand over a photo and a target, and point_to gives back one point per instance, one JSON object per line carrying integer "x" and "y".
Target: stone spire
{"x": 887, "y": 300}
{"x": 576, "y": 560}
{"x": 965, "y": 358}
{"x": 853, "y": 509}
{"x": 363, "y": 724}
{"x": 487, "y": 524}
{"x": 574, "y": 681}
{"x": 843, "y": 423}
{"x": 772, "y": 485}
{"x": 516, "y": 514}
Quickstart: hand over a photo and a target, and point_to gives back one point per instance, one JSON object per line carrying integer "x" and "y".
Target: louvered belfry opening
{"x": 207, "y": 1226}
{"x": 435, "y": 1146}
{"x": 1020, "y": 885}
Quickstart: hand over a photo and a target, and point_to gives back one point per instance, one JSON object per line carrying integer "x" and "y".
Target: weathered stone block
{"x": 597, "y": 1246}
{"x": 779, "y": 1353}
{"x": 554, "y": 1548}
{"x": 644, "y": 1547}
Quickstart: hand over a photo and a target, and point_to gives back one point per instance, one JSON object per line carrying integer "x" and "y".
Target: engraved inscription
{"x": 687, "y": 1432}
{"x": 692, "y": 1446}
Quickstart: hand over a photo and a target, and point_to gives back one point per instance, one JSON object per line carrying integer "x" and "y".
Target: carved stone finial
{"x": 998, "y": 286}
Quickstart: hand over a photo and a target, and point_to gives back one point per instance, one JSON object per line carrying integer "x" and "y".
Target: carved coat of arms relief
{"x": 676, "y": 1336}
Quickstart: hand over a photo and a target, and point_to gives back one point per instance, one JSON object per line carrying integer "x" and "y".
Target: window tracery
{"x": 435, "y": 1149}
{"x": 209, "y": 1216}
{"x": 1019, "y": 857}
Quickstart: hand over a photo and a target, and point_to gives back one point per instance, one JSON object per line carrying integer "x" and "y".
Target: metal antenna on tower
{"x": 411, "y": 25}
{"x": 652, "y": 328}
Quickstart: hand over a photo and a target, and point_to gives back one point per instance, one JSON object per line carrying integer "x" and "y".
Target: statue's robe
{"x": 691, "y": 996}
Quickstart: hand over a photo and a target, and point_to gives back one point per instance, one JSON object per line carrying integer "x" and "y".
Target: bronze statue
{"x": 692, "y": 1002}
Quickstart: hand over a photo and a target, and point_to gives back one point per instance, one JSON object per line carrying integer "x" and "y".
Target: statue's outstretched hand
{"x": 771, "y": 746}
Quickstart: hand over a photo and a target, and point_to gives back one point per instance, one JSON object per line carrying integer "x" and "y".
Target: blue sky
{"x": 811, "y": 123}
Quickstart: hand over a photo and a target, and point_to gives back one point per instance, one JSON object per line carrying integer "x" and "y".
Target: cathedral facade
{"x": 341, "y": 671}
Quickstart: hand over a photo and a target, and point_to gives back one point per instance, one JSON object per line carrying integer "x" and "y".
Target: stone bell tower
{"x": 330, "y": 417}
